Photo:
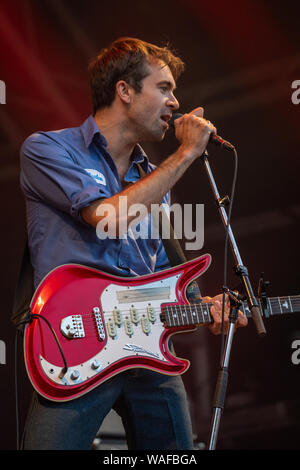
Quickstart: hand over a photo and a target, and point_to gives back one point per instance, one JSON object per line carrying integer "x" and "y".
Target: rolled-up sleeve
{"x": 50, "y": 174}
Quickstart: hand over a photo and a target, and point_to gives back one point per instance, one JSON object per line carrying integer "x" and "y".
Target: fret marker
{"x": 285, "y": 304}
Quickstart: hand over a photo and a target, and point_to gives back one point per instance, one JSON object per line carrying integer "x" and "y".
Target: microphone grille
{"x": 173, "y": 118}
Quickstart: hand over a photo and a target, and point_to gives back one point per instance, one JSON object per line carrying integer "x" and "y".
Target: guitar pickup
{"x": 151, "y": 313}
{"x": 117, "y": 317}
{"x": 128, "y": 327}
{"x": 72, "y": 327}
{"x": 111, "y": 328}
{"x": 134, "y": 315}
{"x": 146, "y": 326}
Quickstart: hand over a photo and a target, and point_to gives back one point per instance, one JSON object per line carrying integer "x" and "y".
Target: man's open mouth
{"x": 165, "y": 118}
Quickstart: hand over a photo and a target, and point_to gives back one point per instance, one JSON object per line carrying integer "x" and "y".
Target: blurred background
{"x": 241, "y": 60}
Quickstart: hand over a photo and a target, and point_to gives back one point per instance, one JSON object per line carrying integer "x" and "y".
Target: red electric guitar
{"x": 88, "y": 326}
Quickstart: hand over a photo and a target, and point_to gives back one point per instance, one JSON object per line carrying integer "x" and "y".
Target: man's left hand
{"x": 216, "y": 313}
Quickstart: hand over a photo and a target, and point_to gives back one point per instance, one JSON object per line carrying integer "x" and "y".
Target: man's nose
{"x": 173, "y": 103}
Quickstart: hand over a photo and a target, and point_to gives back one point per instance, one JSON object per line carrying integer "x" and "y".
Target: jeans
{"x": 153, "y": 408}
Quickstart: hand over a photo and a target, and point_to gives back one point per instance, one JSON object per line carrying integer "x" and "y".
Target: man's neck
{"x": 120, "y": 143}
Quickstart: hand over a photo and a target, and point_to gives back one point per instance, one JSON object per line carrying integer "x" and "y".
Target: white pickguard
{"x": 122, "y": 346}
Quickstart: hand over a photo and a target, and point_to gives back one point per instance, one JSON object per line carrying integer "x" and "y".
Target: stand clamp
{"x": 262, "y": 295}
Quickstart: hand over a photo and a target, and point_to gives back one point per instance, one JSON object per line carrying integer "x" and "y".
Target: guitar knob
{"x": 95, "y": 364}
{"x": 75, "y": 375}
{"x": 71, "y": 332}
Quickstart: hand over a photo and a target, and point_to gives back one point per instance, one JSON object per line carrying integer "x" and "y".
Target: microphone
{"x": 213, "y": 139}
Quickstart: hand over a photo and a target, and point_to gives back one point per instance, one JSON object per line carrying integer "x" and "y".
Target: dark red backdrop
{"x": 241, "y": 58}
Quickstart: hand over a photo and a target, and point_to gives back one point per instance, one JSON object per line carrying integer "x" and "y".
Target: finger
{"x": 206, "y": 299}
{"x": 218, "y": 304}
{"x": 220, "y": 298}
{"x": 216, "y": 313}
{"x": 199, "y": 112}
{"x": 212, "y": 128}
{"x": 242, "y": 320}
{"x": 216, "y": 328}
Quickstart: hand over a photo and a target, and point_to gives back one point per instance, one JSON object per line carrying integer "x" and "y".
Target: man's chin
{"x": 160, "y": 134}
{"x": 154, "y": 137}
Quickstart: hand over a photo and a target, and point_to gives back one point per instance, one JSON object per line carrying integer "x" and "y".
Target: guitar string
{"x": 176, "y": 316}
{"x": 155, "y": 309}
{"x": 203, "y": 307}
{"x": 92, "y": 332}
{"x": 186, "y": 309}
{"x": 179, "y": 320}
{"x": 142, "y": 313}
{"x": 183, "y": 309}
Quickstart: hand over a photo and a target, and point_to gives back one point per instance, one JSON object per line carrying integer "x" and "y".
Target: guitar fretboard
{"x": 199, "y": 314}
{"x": 187, "y": 315}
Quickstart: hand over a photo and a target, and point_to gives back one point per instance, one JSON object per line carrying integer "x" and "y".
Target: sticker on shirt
{"x": 99, "y": 177}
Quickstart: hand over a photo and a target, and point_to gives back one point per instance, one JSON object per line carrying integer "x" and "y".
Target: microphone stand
{"x": 221, "y": 387}
{"x": 242, "y": 272}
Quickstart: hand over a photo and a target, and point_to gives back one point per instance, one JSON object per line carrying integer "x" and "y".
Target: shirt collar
{"x": 139, "y": 155}
{"x": 90, "y": 129}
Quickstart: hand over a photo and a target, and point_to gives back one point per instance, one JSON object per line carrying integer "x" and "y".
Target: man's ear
{"x": 124, "y": 91}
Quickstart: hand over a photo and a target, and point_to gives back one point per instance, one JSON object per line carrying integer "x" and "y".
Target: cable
{"x": 226, "y": 246}
{"x": 29, "y": 318}
{"x": 16, "y": 390}
{"x": 65, "y": 368}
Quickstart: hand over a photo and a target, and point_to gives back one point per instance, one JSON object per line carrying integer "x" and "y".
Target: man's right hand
{"x": 193, "y": 132}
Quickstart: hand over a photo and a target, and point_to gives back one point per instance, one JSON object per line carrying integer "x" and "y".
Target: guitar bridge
{"x": 99, "y": 323}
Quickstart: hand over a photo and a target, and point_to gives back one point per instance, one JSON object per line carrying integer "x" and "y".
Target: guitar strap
{"x": 25, "y": 281}
{"x": 173, "y": 249}
{"x": 23, "y": 291}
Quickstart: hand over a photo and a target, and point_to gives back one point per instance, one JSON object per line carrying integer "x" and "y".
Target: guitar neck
{"x": 199, "y": 314}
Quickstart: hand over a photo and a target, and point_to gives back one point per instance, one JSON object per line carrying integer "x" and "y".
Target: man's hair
{"x": 126, "y": 59}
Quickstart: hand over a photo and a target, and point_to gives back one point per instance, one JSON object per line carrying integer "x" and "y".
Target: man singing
{"x": 66, "y": 176}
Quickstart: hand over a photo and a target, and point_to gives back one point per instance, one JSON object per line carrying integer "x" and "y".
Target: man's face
{"x": 150, "y": 109}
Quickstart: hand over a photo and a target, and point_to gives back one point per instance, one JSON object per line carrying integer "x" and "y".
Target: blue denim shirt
{"x": 62, "y": 172}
